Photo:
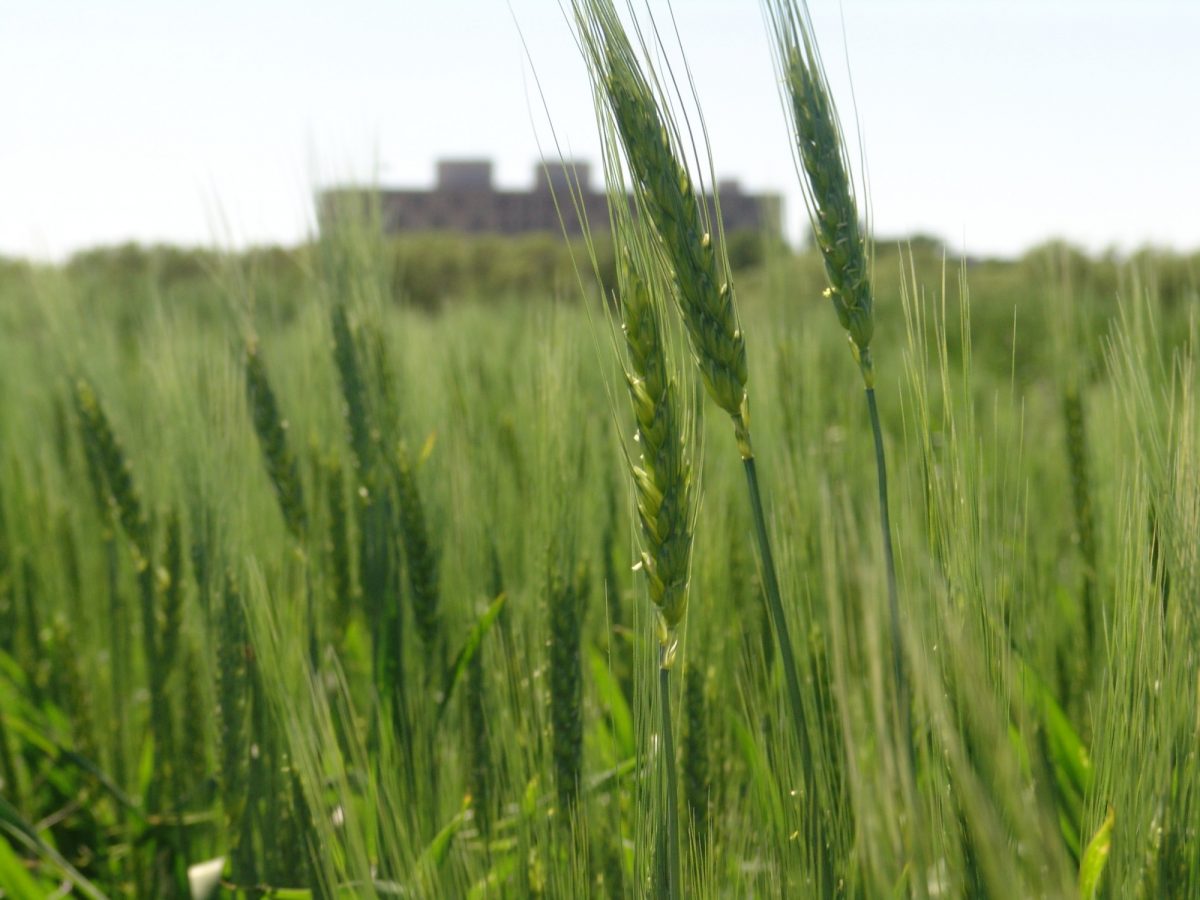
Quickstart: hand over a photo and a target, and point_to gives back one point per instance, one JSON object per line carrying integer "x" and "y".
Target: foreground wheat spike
{"x": 419, "y": 553}
{"x": 354, "y": 392}
{"x": 271, "y": 428}
{"x": 111, "y": 471}
{"x": 828, "y": 188}
{"x": 662, "y": 476}
{"x": 664, "y": 188}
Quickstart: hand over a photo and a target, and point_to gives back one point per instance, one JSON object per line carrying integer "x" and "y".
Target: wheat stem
{"x": 904, "y": 744}
{"x": 566, "y": 689}
{"x": 1077, "y": 460}
{"x": 670, "y": 776}
{"x": 778, "y": 619}
{"x": 885, "y": 527}
{"x": 696, "y": 753}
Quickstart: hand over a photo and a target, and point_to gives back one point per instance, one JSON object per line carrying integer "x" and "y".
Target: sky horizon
{"x": 993, "y": 126}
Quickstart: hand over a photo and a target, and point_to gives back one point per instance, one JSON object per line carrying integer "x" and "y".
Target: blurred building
{"x": 465, "y": 200}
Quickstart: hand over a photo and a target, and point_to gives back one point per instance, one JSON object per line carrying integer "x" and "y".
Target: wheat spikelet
{"x": 496, "y": 588}
{"x": 664, "y": 190}
{"x": 99, "y": 489}
{"x": 479, "y": 774}
{"x": 271, "y": 428}
{"x": 566, "y": 687}
{"x": 418, "y": 551}
{"x": 665, "y": 415}
{"x": 379, "y": 577}
{"x": 193, "y": 770}
{"x": 696, "y": 767}
{"x": 662, "y": 474}
{"x": 110, "y": 471}
{"x": 200, "y": 553}
{"x": 232, "y": 691}
{"x": 71, "y": 689}
{"x": 828, "y": 189}
{"x": 172, "y": 600}
{"x": 354, "y": 391}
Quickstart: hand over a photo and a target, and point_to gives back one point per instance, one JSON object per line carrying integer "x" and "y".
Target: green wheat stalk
{"x": 338, "y": 546}
{"x": 272, "y": 429}
{"x": 566, "y": 685}
{"x": 1075, "y": 425}
{"x": 115, "y": 489}
{"x": 696, "y": 767}
{"x": 419, "y": 554}
{"x": 233, "y": 715}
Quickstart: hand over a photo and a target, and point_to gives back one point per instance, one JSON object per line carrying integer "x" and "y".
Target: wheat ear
{"x": 272, "y": 428}
{"x": 828, "y": 189}
{"x": 662, "y": 474}
{"x": 665, "y": 192}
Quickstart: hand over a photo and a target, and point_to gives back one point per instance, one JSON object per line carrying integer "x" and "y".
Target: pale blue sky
{"x": 993, "y": 123}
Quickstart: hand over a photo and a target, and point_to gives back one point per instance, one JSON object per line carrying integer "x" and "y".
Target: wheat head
{"x": 828, "y": 188}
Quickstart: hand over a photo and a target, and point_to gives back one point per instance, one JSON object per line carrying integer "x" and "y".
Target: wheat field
{"x": 359, "y": 568}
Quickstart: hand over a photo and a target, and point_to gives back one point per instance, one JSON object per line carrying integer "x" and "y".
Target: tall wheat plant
{"x": 651, "y": 143}
{"x": 845, "y": 250}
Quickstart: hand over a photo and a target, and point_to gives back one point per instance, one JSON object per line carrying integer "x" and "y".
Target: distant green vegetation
{"x": 435, "y": 271}
{"x": 425, "y": 270}
{"x": 432, "y": 270}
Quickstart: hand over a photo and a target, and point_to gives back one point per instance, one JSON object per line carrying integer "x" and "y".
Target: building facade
{"x": 464, "y": 199}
